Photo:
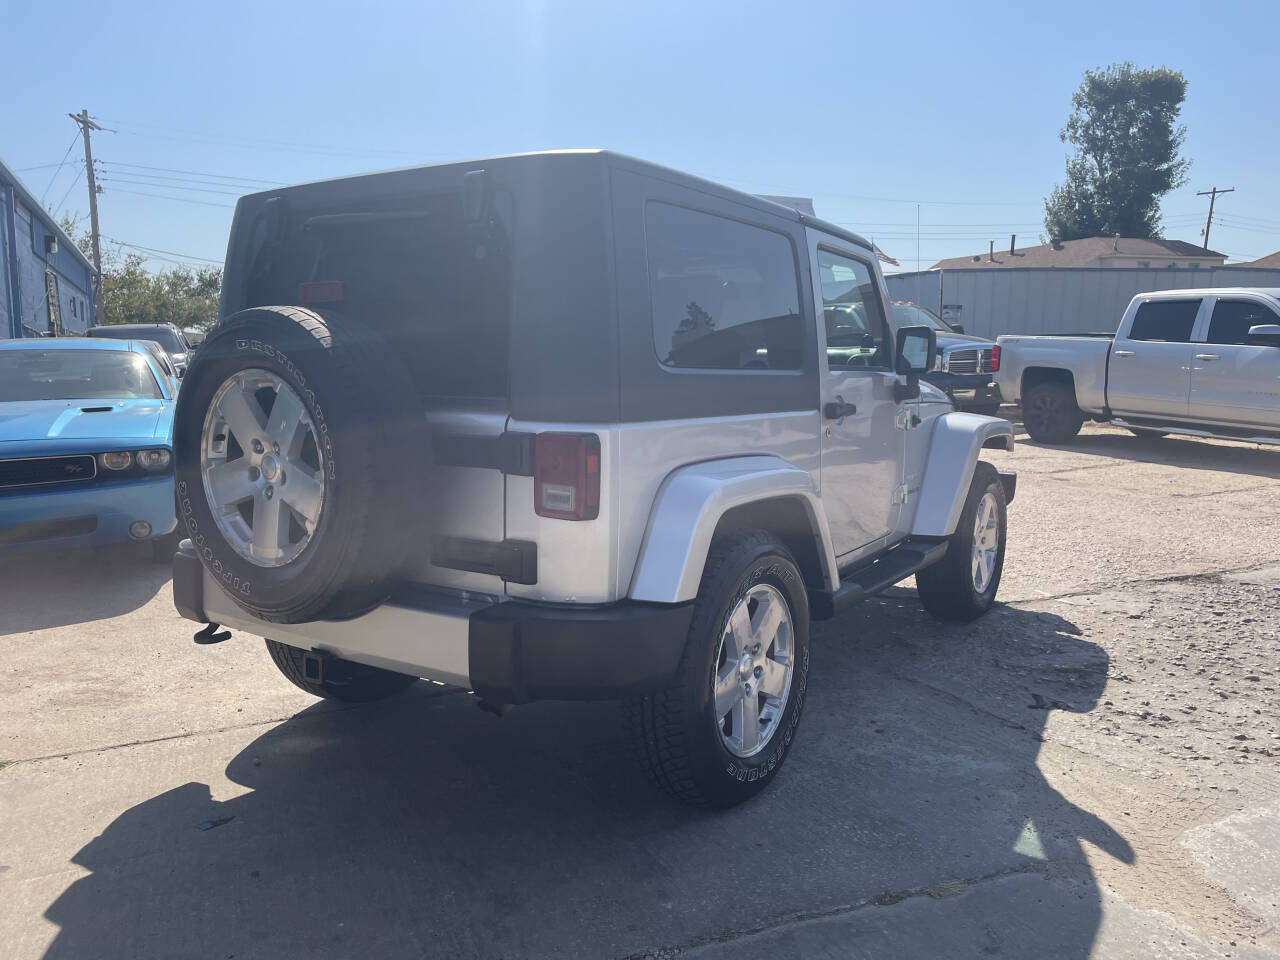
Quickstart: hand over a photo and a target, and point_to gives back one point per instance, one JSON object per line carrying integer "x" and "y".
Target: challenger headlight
{"x": 154, "y": 459}
{"x": 121, "y": 460}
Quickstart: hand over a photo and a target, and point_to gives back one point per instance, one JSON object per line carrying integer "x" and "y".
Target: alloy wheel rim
{"x": 263, "y": 468}
{"x": 986, "y": 542}
{"x": 754, "y": 664}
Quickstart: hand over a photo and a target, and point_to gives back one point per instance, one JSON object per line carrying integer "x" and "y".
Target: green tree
{"x": 1127, "y": 141}
{"x": 132, "y": 294}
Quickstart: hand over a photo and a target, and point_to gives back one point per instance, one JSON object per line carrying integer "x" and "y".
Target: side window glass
{"x": 1165, "y": 321}
{"x": 726, "y": 295}
{"x": 857, "y": 335}
{"x": 1232, "y": 319}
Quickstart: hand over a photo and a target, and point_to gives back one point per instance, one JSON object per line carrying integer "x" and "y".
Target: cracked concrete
{"x": 1089, "y": 771}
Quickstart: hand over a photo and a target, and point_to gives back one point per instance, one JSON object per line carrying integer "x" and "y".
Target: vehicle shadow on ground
{"x": 424, "y": 827}
{"x": 67, "y": 587}
{"x": 1174, "y": 451}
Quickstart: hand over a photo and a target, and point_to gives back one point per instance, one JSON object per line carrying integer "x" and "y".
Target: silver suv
{"x": 570, "y": 426}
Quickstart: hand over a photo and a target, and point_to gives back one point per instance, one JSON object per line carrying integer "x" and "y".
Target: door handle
{"x": 837, "y": 409}
{"x": 1122, "y": 353}
{"x": 1207, "y": 356}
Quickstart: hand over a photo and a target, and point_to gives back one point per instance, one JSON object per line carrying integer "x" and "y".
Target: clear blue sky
{"x": 866, "y": 107}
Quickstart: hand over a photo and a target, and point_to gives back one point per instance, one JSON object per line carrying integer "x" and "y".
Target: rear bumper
{"x": 507, "y": 652}
{"x": 85, "y": 517}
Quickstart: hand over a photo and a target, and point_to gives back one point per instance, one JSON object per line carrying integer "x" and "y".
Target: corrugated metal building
{"x": 1032, "y": 300}
{"x": 46, "y": 284}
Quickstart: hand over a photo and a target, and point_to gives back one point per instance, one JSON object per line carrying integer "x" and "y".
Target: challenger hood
{"x": 108, "y": 420}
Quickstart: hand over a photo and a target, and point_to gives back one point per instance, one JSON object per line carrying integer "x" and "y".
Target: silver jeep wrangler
{"x": 570, "y": 426}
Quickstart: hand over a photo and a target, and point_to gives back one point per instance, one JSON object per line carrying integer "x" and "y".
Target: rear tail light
{"x": 995, "y": 358}
{"x": 566, "y": 476}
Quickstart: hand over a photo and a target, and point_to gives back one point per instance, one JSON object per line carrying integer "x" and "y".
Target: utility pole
{"x": 1212, "y": 195}
{"x": 82, "y": 119}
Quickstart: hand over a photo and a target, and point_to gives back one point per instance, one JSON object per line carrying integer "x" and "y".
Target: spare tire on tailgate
{"x": 299, "y": 440}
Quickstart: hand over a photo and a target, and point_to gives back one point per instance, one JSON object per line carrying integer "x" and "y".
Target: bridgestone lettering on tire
{"x": 738, "y": 659}
{"x": 342, "y": 542}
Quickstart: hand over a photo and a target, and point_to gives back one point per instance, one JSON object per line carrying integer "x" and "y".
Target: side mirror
{"x": 1265, "y": 335}
{"x": 957, "y": 328}
{"x": 917, "y": 351}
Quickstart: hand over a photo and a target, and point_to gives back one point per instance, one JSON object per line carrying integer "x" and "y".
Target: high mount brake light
{"x": 566, "y": 476}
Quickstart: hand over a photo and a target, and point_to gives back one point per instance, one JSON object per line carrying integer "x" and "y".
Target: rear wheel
{"x": 342, "y": 679}
{"x": 719, "y": 734}
{"x": 299, "y": 448}
{"x": 963, "y": 584}
{"x": 1050, "y": 412}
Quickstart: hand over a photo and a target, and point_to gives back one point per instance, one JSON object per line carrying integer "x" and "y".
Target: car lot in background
{"x": 965, "y": 363}
{"x": 169, "y": 337}
{"x": 85, "y": 445}
{"x": 1005, "y": 788}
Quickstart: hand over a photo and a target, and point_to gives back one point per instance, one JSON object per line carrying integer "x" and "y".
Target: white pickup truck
{"x": 1198, "y": 362}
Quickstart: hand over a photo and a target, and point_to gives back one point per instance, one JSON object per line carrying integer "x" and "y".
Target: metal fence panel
{"x": 1056, "y": 300}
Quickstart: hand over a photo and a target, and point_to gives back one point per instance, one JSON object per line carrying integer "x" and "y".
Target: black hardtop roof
{"x": 613, "y": 159}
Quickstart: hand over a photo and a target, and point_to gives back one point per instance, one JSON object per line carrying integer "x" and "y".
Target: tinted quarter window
{"x": 725, "y": 294}
{"x": 1232, "y": 319}
{"x": 1167, "y": 321}
{"x": 857, "y": 335}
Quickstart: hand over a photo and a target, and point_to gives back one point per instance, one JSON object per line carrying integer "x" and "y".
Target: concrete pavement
{"x": 1089, "y": 771}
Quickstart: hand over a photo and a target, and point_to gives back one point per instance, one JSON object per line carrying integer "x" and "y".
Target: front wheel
{"x": 718, "y": 735}
{"x": 962, "y": 585}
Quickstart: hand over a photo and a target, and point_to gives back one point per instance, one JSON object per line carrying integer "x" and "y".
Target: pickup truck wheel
{"x": 962, "y": 585}
{"x": 719, "y": 734}
{"x": 343, "y": 680}
{"x": 299, "y": 462}
{"x": 1050, "y": 412}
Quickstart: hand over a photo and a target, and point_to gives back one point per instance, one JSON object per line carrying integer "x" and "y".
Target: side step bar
{"x": 863, "y": 582}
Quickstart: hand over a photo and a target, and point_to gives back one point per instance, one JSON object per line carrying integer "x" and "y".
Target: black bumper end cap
{"x": 521, "y": 652}
{"x": 188, "y": 583}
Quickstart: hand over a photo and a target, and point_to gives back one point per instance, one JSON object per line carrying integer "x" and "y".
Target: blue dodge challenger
{"x": 85, "y": 445}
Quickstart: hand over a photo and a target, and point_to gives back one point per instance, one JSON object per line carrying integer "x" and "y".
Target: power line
{"x": 79, "y": 174}
{"x": 196, "y": 136}
{"x": 194, "y": 173}
{"x": 177, "y": 182}
{"x": 172, "y": 253}
{"x": 166, "y": 186}
{"x": 60, "y": 165}
{"x": 161, "y": 196}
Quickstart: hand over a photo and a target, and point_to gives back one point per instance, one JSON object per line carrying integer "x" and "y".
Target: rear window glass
{"x": 1168, "y": 321}
{"x": 436, "y": 285}
{"x": 75, "y": 375}
{"x": 1233, "y": 318}
{"x": 725, "y": 294}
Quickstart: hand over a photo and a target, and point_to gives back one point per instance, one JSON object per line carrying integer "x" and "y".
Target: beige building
{"x": 1092, "y": 252}
{"x": 1271, "y": 260}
